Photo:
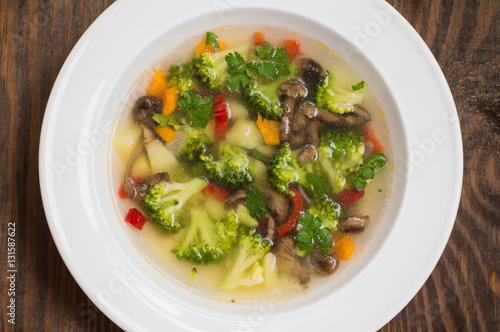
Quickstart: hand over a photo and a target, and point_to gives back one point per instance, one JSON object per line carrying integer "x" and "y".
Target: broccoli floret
{"x": 211, "y": 68}
{"x": 327, "y": 210}
{"x": 232, "y": 169}
{"x": 207, "y": 242}
{"x": 333, "y": 98}
{"x": 183, "y": 76}
{"x": 340, "y": 153}
{"x": 262, "y": 95}
{"x": 163, "y": 202}
{"x": 284, "y": 169}
{"x": 246, "y": 269}
{"x": 196, "y": 145}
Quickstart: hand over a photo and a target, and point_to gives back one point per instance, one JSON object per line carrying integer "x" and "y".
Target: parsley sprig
{"x": 213, "y": 40}
{"x": 271, "y": 63}
{"x": 256, "y": 203}
{"x": 367, "y": 171}
{"x": 313, "y": 234}
{"x": 199, "y": 110}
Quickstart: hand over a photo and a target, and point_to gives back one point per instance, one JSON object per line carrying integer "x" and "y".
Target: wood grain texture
{"x": 462, "y": 294}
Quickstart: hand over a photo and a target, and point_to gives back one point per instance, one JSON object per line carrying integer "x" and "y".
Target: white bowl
{"x": 79, "y": 203}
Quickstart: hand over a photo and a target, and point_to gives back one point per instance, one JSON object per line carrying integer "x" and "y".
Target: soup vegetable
{"x": 258, "y": 159}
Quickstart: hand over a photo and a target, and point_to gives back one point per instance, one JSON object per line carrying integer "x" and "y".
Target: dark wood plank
{"x": 462, "y": 293}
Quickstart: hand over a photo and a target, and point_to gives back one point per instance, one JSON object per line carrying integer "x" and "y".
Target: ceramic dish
{"x": 79, "y": 203}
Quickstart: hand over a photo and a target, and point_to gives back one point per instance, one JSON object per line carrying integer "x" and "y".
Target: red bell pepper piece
{"x": 349, "y": 196}
{"x": 258, "y": 38}
{"x": 292, "y": 47}
{"x": 135, "y": 218}
{"x": 220, "y": 115}
{"x": 297, "y": 209}
{"x": 372, "y": 137}
{"x": 216, "y": 192}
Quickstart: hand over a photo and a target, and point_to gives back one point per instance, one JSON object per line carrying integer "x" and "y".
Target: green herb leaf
{"x": 358, "y": 86}
{"x": 213, "y": 40}
{"x": 234, "y": 60}
{"x": 268, "y": 70}
{"x": 312, "y": 234}
{"x": 317, "y": 184}
{"x": 160, "y": 119}
{"x": 199, "y": 110}
{"x": 176, "y": 119}
{"x": 256, "y": 203}
{"x": 366, "y": 172}
{"x": 265, "y": 51}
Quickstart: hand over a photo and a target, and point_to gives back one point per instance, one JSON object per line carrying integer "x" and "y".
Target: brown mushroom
{"x": 143, "y": 186}
{"x": 308, "y": 154}
{"x": 270, "y": 228}
{"x": 144, "y": 109}
{"x": 291, "y": 90}
{"x": 353, "y": 224}
{"x": 287, "y": 260}
{"x": 310, "y": 71}
{"x": 358, "y": 117}
{"x": 128, "y": 181}
{"x": 278, "y": 204}
{"x": 323, "y": 264}
{"x": 239, "y": 197}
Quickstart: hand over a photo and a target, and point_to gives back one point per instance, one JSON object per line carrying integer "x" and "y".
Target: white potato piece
{"x": 245, "y": 134}
{"x": 125, "y": 142}
{"x": 161, "y": 158}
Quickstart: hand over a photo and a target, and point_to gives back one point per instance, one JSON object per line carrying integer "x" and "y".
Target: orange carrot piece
{"x": 371, "y": 136}
{"x": 158, "y": 85}
{"x": 202, "y": 48}
{"x": 292, "y": 47}
{"x": 344, "y": 247}
{"x": 167, "y": 133}
{"x": 258, "y": 38}
{"x": 169, "y": 101}
{"x": 270, "y": 130}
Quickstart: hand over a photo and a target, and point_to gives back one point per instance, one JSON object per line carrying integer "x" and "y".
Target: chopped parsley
{"x": 199, "y": 110}
{"x": 313, "y": 234}
{"x": 367, "y": 171}
{"x": 256, "y": 203}
{"x": 213, "y": 40}
{"x": 358, "y": 86}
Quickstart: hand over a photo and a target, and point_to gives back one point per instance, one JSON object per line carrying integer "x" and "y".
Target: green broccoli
{"x": 333, "y": 98}
{"x": 327, "y": 210}
{"x": 340, "y": 153}
{"x": 196, "y": 145}
{"x": 211, "y": 68}
{"x": 262, "y": 95}
{"x": 284, "y": 169}
{"x": 163, "y": 202}
{"x": 183, "y": 76}
{"x": 232, "y": 169}
{"x": 207, "y": 242}
{"x": 246, "y": 269}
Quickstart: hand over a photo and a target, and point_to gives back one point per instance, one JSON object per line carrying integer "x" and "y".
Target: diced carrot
{"x": 169, "y": 100}
{"x": 158, "y": 85}
{"x": 167, "y": 133}
{"x": 292, "y": 47}
{"x": 258, "y": 38}
{"x": 344, "y": 247}
{"x": 371, "y": 136}
{"x": 202, "y": 47}
{"x": 270, "y": 130}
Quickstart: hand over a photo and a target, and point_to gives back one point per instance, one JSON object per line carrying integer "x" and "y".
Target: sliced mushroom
{"x": 310, "y": 71}
{"x": 239, "y": 197}
{"x": 313, "y": 132}
{"x": 353, "y": 224}
{"x": 291, "y": 90}
{"x": 287, "y": 260}
{"x": 308, "y": 154}
{"x": 144, "y": 109}
{"x": 356, "y": 118}
{"x": 143, "y": 186}
{"x": 278, "y": 204}
{"x": 304, "y": 114}
{"x": 270, "y": 228}
{"x": 128, "y": 181}
{"x": 324, "y": 264}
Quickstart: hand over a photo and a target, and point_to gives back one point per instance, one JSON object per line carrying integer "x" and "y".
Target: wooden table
{"x": 462, "y": 294}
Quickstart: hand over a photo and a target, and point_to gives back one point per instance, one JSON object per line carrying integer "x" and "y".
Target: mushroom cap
{"x": 293, "y": 88}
